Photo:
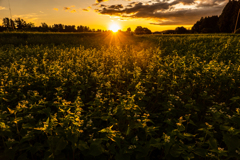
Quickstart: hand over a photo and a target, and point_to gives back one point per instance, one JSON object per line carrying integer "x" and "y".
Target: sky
{"x": 157, "y": 15}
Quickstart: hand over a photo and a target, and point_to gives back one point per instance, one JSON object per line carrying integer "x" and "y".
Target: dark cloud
{"x": 210, "y": 3}
{"x": 165, "y": 12}
{"x": 86, "y": 10}
{"x": 99, "y": 1}
{"x": 138, "y": 9}
{"x": 66, "y": 8}
{"x": 118, "y": 6}
{"x": 102, "y": 6}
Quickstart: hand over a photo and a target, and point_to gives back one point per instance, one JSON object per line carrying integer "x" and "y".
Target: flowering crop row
{"x": 177, "y": 100}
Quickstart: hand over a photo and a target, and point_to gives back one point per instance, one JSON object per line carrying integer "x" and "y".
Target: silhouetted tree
{"x": 6, "y": 22}
{"x": 181, "y": 30}
{"x": 147, "y": 31}
{"x": 227, "y": 19}
{"x": 129, "y": 29}
{"x": 86, "y": 29}
{"x": 58, "y": 27}
{"x": 206, "y": 25}
{"x": 20, "y": 23}
{"x": 29, "y": 25}
{"x": 44, "y": 25}
{"x": 70, "y": 28}
{"x": 80, "y": 28}
{"x": 140, "y": 30}
{"x": 23, "y": 25}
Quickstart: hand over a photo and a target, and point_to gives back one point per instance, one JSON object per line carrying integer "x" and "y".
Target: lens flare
{"x": 114, "y": 27}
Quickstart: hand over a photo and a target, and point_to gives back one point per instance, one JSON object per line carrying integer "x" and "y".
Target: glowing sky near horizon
{"x": 156, "y": 15}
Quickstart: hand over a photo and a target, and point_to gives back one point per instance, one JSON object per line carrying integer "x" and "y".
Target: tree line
{"x": 225, "y": 23}
{"x": 21, "y": 25}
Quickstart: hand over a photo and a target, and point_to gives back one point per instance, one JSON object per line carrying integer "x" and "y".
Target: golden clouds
{"x": 73, "y": 11}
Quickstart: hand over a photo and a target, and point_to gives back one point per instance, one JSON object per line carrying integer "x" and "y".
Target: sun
{"x": 114, "y": 27}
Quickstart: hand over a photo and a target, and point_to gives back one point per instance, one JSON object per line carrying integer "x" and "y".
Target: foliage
{"x": 21, "y": 25}
{"x": 227, "y": 19}
{"x": 178, "y": 100}
{"x": 140, "y": 30}
{"x": 206, "y": 25}
{"x": 225, "y": 23}
{"x": 181, "y": 30}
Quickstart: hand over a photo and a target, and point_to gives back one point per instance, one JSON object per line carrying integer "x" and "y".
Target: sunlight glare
{"x": 114, "y": 27}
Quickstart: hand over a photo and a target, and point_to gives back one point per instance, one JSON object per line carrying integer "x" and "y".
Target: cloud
{"x": 99, "y": 1}
{"x": 102, "y": 5}
{"x": 31, "y": 17}
{"x": 210, "y": 3}
{"x": 165, "y": 12}
{"x": 56, "y": 9}
{"x": 2, "y": 8}
{"x": 66, "y": 8}
{"x": 86, "y": 10}
{"x": 73, "y": 11}
{"x": 116, "y": 6}
{"x": 69, "y": 9}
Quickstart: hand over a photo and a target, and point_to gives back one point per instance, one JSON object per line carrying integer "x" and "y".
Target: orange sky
{"x": 156, "y": 15}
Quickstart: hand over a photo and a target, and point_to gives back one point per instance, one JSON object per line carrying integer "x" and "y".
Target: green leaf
{"x": 82, "y": 145}
{"x": 213, "y": 143}
{"x": 225, "y": 128}
{"x": 23, "y": 157}
{"x": 61, "y": 145}
{"x": 191, "y": 122}
{"x": 128, "y": 130}
{"x": 200, "y": 152}
{"x": 188, "y": 156}
{"x": 176, "y": 150}
{"x": 96, "y": 149}
{"x": 122, "y": 157}
{"x": 236, "y": 120}
{"x": 27, "y": 126}
{"x": 188, "y": 135}
{"x": 181, "y": 128}
{"x": 235, "y": 98}
{"x": 232, "y": 142}
{"x": 37, "y": 147}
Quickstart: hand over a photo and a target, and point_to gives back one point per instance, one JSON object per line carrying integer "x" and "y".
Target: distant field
{"x": 119, "y": 96}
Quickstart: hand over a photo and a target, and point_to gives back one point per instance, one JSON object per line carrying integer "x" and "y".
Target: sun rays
{"x": 114, "y": 27}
